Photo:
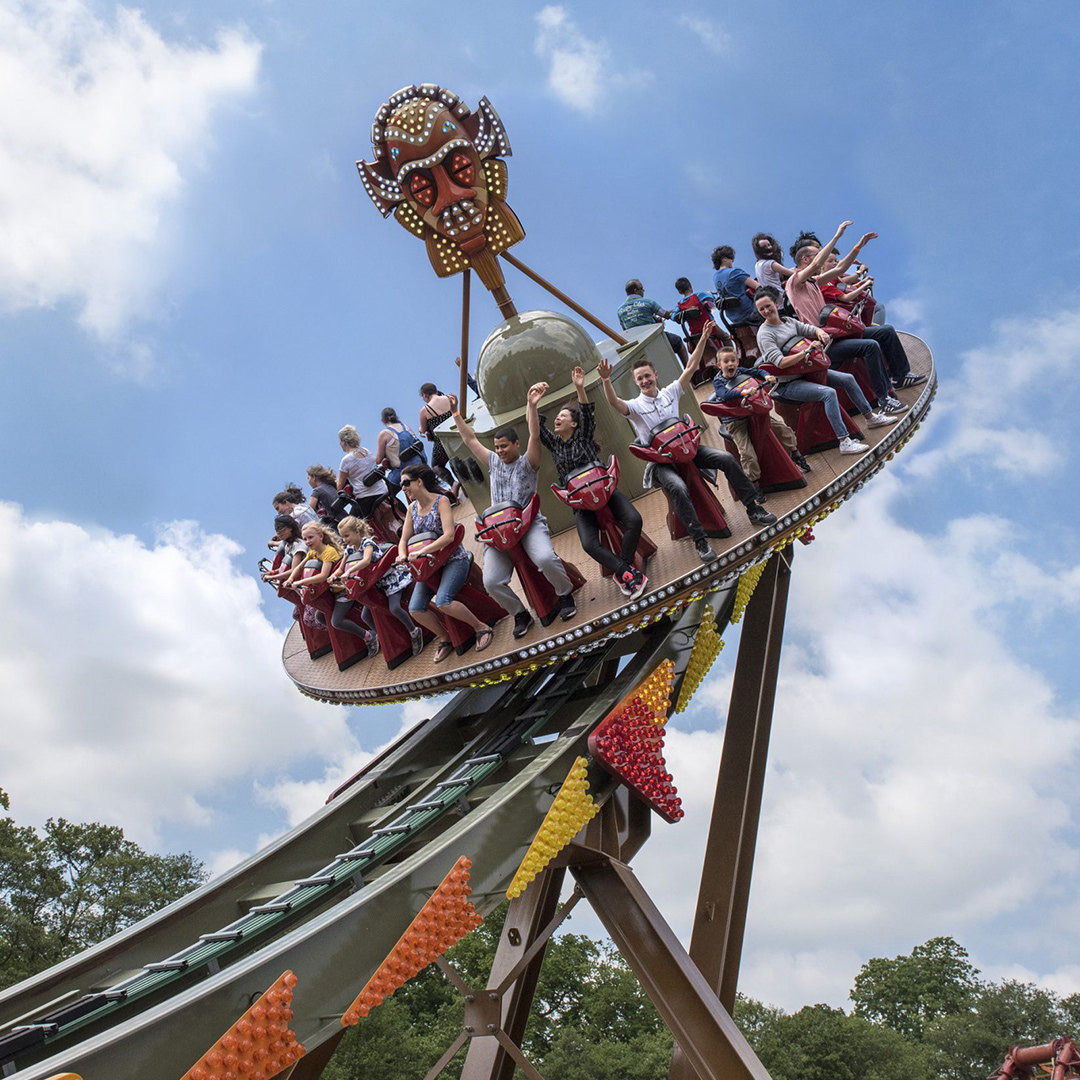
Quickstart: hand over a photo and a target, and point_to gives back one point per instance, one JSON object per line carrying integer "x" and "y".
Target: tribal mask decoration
{"x": 438, "y": 169}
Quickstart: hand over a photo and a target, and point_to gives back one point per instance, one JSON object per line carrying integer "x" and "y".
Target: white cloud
{"x": 580, "y": 72}
{"x": 707, "y": 32}
{"x": 141, "y": 683}
{"x": 908, "y": 312}
{"x": 104, "y": 123}
{"x": 1005, "y": 407}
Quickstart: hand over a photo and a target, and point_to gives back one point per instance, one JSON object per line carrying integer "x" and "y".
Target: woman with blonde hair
{"x": 357, "y": 465}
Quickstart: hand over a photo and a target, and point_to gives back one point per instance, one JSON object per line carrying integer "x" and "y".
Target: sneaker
{"x": 893, "y": 405}
{"x": 849, "y": 445}
{"x": 417, "y": 636}
{"x": 876, "y": 419}
{"x": 758, "y": 515}
{"x": 372, "y": 643}
{"x": 522, "y": 621}
{"x": 910, "y": 379}
{"x": 800, "y": 461}
{"x": 625, "y": 580}
{"x": 705, "y": 553}
{"x": 638, "y": 586}
{"x": 567, "y": 607}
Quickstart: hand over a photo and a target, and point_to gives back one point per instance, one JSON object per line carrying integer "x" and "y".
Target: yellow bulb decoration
{"x": 707, "y": 646}
{"x": 572, "y": 808}
{"x": 745, "y": 589}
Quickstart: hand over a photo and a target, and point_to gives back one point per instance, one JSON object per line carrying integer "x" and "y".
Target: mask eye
{"x": 462, "y": 169}
{"x": 421, "y": 188}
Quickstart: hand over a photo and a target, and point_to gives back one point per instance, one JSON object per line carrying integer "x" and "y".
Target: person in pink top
{"x": 804, "y": 291}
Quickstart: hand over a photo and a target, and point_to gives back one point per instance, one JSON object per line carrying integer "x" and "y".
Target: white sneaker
{"x": 849, "y": 445}
{"x": 876, "y": 419}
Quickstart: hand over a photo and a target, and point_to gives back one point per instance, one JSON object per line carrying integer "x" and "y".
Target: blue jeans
{"x": 801, "y": 390}
{"x": 454, "y": 575}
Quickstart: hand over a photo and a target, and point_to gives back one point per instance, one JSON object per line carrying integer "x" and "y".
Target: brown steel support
{"x": 712, "y": 1044}
{"x": 463, "y": 396}
{"x": 310, "y": 1066}
{"x": 560, "y": 295}
{"x": 720, "y": 917}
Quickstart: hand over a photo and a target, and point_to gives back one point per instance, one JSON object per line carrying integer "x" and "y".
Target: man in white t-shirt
{"x": 655, "y": 405}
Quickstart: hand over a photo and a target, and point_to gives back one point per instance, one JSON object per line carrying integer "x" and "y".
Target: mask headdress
{"x": 438, "y": 169}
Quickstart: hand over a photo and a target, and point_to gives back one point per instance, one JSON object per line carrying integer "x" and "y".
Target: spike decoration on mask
{"x": 745, "y": 589}
{"x": 573, "y": 807}
{"x": 629, "y": 742}
{"x": 707, "y": 646}
{"x": 438, "y": 169}
{"x": 446, "y": 917}
{"x": 259, "y": 1045}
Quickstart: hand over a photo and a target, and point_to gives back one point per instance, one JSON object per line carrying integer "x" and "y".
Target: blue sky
{"x": 195, "y": 294}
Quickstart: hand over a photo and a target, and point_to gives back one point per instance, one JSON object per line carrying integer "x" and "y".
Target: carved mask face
{"x": 439, "y": 171}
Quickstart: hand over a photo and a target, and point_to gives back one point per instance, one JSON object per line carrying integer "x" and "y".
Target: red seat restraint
{"x": 348, "y": 648}
{"x": 428, "y": 568}
{"x": 778, "y": 471}
{"x": 393, "y": 637}
{"x": 813, "y": 432}
{"x": 316, "y": 639}
{"x": 590, "y": 488}
{"x": 502, "y": 527}
{"x": 676, "y": 443}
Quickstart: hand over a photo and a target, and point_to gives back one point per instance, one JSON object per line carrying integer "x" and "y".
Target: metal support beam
{"x": 713, "y": 1045}
{"x": 310, "y": 1066}
{"x": 720, "y": 916}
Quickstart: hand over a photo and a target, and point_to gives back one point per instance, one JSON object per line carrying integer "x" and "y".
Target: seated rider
{"x": 769, "y": 268}
{"x": 654, "y": 406}
{"x": 356, "y": 465}
{"x": 572, "y": 447}
{"x": 323, "y": 486}
{"x": 430, "y": 512}
{"x": 356, "y": 533}
{"x": 291, "y": 501}
{"x": 695, "y": 310}
{"x": 398, "y": 445}
{"x": 513, "y": 479}
{"x": 804, "y": 291}
{"x": 776, "y": 336}
{"x": 728, "y": 387}
{"x": 730, "y": 283}
{"x": 290, "y": 546}
{"x": 637, "y": 310}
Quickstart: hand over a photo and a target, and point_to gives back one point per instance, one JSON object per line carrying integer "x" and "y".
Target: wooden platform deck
{"x": 676, "y": 574}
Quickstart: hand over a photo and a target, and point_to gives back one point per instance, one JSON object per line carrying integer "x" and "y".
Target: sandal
{"x": 483, "y": 639}
{"x": 442, "y": 651}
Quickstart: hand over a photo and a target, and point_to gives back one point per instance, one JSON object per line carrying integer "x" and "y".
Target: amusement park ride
{"x": 548, "y": 760}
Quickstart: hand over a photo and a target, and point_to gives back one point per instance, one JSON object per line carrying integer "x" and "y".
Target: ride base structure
{"x": 547, "y": 761}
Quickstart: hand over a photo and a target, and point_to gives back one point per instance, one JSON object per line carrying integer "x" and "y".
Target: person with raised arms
{"x": 655, "y": 405}
{"x": 572, "y": 446}
{"x": 513, "y": 479}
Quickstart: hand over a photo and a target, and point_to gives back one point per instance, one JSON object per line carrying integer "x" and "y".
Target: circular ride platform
{"x": 676, "y": 574}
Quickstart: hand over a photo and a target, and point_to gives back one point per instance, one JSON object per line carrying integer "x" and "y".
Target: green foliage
{"x": 70, "y": 886}
{"x": 908, "y": 991}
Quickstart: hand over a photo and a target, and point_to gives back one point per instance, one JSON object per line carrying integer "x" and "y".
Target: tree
{"x": 906, "y": 992}
{"x": 973, "y": 1044}
{"x": 70, "y": 886}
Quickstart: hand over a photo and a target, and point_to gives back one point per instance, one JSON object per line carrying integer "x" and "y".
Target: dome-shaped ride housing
{"x": 532, "y": 347}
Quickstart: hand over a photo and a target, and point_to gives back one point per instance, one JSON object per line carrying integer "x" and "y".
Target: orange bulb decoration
{"x": 450, "y": 912}
{"x": 262, "y": 1036}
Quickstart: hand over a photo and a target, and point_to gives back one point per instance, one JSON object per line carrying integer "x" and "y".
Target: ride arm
{"x": 468, "y": 437}
{"x": 604, "y": 370}
{"x": 695, "y": 357}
